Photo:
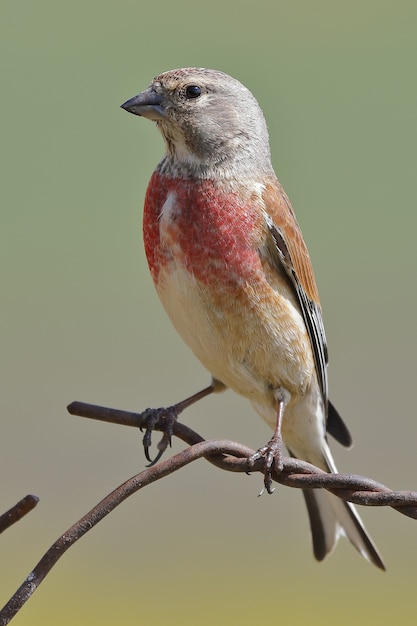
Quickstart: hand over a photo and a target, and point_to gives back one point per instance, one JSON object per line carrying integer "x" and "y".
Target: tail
{"x": 331, "y": 517}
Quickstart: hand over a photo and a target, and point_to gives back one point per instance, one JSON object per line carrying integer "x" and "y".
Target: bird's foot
{"x": 152, "y": 417}
{"x": 170, "y": 415}
{"x": 272, "y": 456}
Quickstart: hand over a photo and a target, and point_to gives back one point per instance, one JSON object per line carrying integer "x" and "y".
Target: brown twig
{"x": 296, "y": 473}
{"x": 101, "y": 510}
{"x": 19, "y": 510}
{"x": 226, "y": 455}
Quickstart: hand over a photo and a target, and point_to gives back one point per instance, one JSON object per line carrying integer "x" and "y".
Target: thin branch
{"x": 227, "y": 455}
{"x": 101, "y": 510}
{"x": 19, "y": 510}
{"x": 296, "y": 473}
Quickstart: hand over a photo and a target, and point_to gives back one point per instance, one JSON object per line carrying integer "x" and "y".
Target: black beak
{"x": 147, "y": 104}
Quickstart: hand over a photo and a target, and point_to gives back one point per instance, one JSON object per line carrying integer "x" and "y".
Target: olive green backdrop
{"x": 80, "y": 319}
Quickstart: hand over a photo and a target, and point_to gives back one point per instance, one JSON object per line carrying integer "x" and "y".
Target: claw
{"x": 170, "y": 415}
{"x": 271, "y": 454}
{"x": 155, "y": 460}
{"x": 166, "y": 439}
{"x": 147, "y": 455}
{"x": 152, "y": 416}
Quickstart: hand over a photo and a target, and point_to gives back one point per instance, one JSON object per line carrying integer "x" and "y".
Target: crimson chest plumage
{"x": 211, "y": 231}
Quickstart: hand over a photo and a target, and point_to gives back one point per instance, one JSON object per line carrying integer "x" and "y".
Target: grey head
{"x": 211, "y": 124}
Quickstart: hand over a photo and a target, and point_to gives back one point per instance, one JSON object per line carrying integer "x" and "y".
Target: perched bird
{"x": 231, "y": 268}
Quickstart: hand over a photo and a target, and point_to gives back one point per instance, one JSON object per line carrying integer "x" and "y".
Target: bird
{"x": 232, "y": 270}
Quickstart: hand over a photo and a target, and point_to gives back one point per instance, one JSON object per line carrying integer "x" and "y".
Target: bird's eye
{"x": 193, "y": 91}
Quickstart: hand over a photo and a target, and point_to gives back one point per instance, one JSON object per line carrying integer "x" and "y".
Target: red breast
{"x": 213, "y": 232}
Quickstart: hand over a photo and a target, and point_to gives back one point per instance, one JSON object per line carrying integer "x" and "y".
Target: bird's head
{"x": 210, "y": 122}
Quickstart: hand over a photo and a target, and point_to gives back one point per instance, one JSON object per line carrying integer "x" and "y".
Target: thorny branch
{"x": 227, "y": 455}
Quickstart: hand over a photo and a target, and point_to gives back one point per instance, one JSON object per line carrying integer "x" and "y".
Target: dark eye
{"x": 193, "y": 91}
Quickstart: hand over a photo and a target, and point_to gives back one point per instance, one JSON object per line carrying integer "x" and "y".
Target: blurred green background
{"x": 81, "y": 321}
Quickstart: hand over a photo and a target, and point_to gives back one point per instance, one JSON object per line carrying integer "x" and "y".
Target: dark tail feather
{"x": 337, "y": 428}
{"x": 330, "y": 517}
{"x": 318, "y": 534}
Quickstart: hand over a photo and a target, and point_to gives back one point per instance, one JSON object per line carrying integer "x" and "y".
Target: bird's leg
{"x": 170, "y": 414}
{"x": 272, "y": 453}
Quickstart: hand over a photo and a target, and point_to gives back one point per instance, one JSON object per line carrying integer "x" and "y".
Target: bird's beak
{"x": 147, "y": 104}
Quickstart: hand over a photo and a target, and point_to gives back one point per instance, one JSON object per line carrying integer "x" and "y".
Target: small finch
{"x": 231, "y": 268}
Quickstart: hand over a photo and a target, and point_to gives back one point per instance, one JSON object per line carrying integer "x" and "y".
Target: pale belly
{"x": 248, "y": 342}
{"x": 254, "y": 353}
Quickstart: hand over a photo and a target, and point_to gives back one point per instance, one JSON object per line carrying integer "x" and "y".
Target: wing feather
{"x": 292, "y": 254}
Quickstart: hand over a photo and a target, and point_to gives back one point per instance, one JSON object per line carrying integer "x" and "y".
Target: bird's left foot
{"x": 272, "y": 455}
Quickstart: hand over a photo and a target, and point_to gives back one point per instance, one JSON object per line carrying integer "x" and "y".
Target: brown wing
{"x": 279, "y": 208}
{"x": 292, "y": 254}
